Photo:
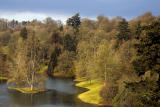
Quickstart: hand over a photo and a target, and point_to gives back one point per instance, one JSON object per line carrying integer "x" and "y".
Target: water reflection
{"x": 63, "y": 94}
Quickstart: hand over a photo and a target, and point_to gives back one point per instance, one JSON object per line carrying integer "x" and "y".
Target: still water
{"x": 63, "y": 94}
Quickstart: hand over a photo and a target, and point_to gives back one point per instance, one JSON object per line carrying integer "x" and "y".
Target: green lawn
{"x": 91, "y": 96}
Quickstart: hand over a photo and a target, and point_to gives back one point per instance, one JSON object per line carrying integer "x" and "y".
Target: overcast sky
{"x": 62, "y": 9}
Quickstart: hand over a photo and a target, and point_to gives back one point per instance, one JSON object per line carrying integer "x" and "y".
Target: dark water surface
{"x": 63, "y": 94}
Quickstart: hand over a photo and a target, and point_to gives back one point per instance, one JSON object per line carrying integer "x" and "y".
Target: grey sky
{"x": 62, "y": 9}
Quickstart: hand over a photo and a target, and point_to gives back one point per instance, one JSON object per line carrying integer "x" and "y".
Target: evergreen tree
{"x": 74, "y": 21}
{"x": 124, "y": 32}
{"x": 53, "y": 61}
{"x": 24, "y": 33}
{"x": 138, "y": 30}
{"x": 148, "y": 50}
{"x": 69, "y": 43}
{"x": 55, "y": 38}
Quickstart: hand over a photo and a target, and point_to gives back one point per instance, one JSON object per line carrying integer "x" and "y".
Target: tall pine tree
{"x": 124, "y": 32}
{"x": 24, "y": 33}
{"x": 148, "y": 50}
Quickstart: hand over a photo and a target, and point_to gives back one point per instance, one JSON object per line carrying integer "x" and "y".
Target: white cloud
{"x": 25, "y": 16}
{"x": 29, "y": 16}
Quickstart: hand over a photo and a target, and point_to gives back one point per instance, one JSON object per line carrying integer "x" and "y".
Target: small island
{"x": 26, "y": 90}
{"x": 3, "y": 78}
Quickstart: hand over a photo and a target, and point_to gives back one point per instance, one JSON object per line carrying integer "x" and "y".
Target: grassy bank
{"x": 28, "y": 91}
{"x": 43, "y": 69}
{"x": 59, "y": 74}
{"x": 92, "y": 95}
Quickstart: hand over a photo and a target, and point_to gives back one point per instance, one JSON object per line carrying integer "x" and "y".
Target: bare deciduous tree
{"x": 27, "y": 64}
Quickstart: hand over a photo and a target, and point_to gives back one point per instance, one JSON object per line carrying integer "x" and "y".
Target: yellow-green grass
{"x": 80, "y": 79}
{"x": 43, "y": 69}
{"x": 3, "y": 78}
{"x": 5, "y": 49}
{"x": 27, "y": 90}
{"x": 92, "y": 95}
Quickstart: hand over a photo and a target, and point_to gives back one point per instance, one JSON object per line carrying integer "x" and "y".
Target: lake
{"x": 63, "y": 94}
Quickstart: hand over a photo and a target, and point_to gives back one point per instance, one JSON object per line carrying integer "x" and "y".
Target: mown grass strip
{"x": 92, "y": 95}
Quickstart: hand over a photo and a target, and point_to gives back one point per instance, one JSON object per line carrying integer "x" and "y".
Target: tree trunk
{"x": 158, "y": 82}
{"x": 32, "y": 87}
{"x": 50, "y": 69}
{"x": 90, "y": 81}
{"x": 32, "y": 83}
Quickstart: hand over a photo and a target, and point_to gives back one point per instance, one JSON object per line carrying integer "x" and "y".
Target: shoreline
{"x": 3, "y": 78}
{"x": 92, "y": 94}
{"x": 27, "y": 90}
